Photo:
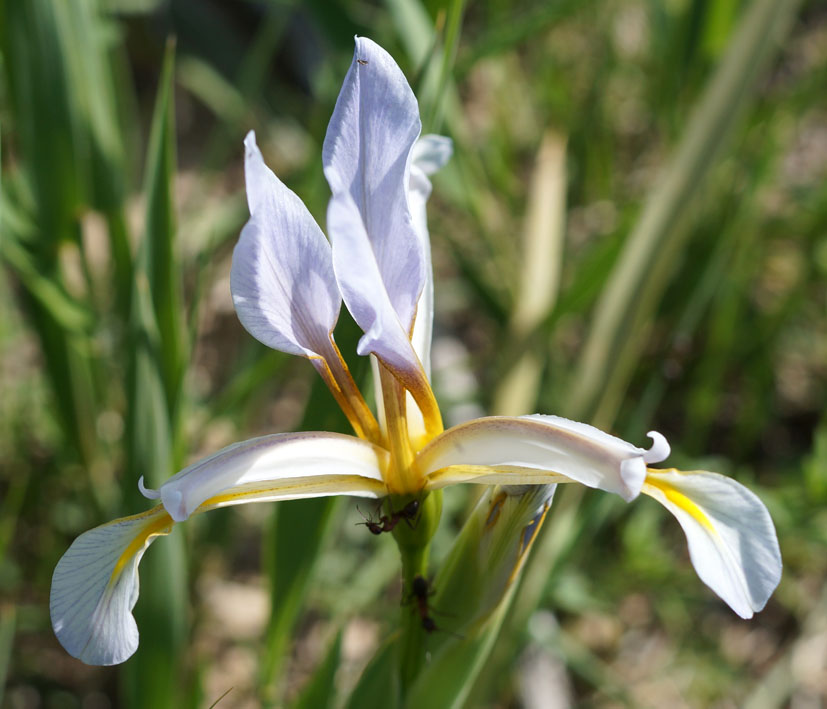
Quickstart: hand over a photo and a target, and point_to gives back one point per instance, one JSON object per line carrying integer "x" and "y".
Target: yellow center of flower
{"x": 401, "y": 476}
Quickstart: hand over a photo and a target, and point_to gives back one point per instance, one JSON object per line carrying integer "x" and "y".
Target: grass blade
{"x": 320, "y": 691}
{"x": 154, "y": 676}
{"x": 640, "y": 274}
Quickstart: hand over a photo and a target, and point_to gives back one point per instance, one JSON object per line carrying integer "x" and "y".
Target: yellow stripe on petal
{"x": 678, "y": 499}
{"x": 95, "y": 587}
{"x": 492, "y": 475}
{"x": 158, "y": 527}
{"x": 277, "y": 463}
{"x": 296, "y": 488}
{"x": 731, "y": 537}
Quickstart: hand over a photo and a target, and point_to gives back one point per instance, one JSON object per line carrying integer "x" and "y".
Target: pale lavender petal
{"x": 282, "y": 279}
{"x": 95, "y": 587}
{"x": 430, "y": 153}
{"x": 732, "y": 540}
{"x": 378, "y": 258}
{"x": 279, "y": 466}
{"x": 537, "y": 449}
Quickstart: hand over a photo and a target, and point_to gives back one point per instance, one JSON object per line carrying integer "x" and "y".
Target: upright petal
{"x": 732, "y": 540}
{"x": 95, "y": 587}
{"x": 430, "y": 154}
{"x": 282, "y": 279}
{"x": 527, "y": 448}
{"x": 282, "y": 466}
{"x": 379, "y": 260}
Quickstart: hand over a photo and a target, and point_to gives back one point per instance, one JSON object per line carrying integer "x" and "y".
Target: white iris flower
{"x": 288, "y": 283}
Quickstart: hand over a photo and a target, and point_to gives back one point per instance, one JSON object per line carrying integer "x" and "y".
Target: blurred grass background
{"x": 632, "y": 232}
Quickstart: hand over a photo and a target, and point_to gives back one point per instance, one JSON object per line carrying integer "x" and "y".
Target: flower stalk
{"x": 414, "y": 542}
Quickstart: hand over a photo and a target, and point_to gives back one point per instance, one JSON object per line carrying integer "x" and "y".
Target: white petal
{"x": 511, "y": 477}
{"x": 280, "y": 466}
{"x": 430, "y": 153}
{"x": 378, "y": 258}
{"x": 549, "y": 445}
{"x": 732, "y": 540}
{"x": 95, "y": 587}
{"x": 282, "y": 279}
{"x": 362, "y": 289}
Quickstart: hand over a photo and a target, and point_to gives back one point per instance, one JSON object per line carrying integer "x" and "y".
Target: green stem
{"x": 414, "y": 543}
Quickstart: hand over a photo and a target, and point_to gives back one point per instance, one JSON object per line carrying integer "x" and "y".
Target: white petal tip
{"x": 175, "y": 505}
{"x": 660, "y": 449}
{"x": 147, "y": 492}
{"x": 250, "y": 140}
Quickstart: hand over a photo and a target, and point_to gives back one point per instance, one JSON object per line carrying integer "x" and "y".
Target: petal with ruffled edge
{"x": 95, "y": 587}
{"x": 535, "y": 450}
{"x": 282, "y": 279}
{"x": 377, "y": 256}
{"x": 281, "y": 466}
{"x": 732, "y": 540}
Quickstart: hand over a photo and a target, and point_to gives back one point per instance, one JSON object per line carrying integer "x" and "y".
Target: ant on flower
{"x": 420, "y": 590}
{"x": 387, "y": 523}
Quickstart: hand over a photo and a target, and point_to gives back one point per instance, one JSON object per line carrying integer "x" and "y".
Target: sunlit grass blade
{"x": 158, "y": 255}
{"x": 453, "y": 25}
{"x": 51, "y": 130}
{"x": 543, "y": 234}
{"x": 639, "y": 278}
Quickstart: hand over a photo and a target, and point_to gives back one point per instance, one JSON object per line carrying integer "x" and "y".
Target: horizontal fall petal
{"x": 539, "y": 449}
{"x": 509, "y": 476}
{"x": 731, "y": 537}
{"x": 95, "y": 587}
{"x": 280, "y": 466}
{"x": 282, "y": 279}
{"x": 379, "y": 260}
{"x": 95, "y": 583}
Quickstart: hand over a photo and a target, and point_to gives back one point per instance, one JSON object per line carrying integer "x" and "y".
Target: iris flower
{"x": 288, "y": 283}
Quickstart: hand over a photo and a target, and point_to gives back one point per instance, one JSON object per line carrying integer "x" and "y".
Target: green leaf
{"x": 299, "y": 528}
{"x": 320, "y": 691}
{"x": 378, "y": 686}
{"x": 157, "y": 255}
{"x": 153, "y": 675}
{"x": 7, "y": 626}
{"x": 297, "y": 531}
{"x": 640, "y": 275}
